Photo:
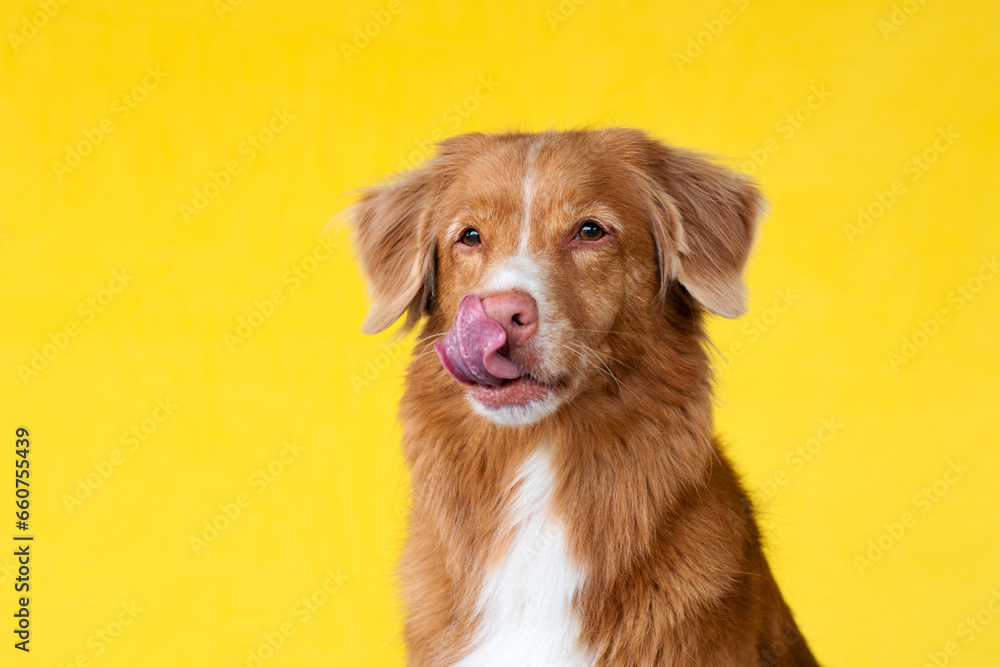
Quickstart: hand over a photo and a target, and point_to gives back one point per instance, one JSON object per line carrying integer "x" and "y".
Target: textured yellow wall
{"x": 185, "y": 350}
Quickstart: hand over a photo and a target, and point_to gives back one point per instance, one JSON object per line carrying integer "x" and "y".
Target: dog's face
{"x": 534, "y": 256}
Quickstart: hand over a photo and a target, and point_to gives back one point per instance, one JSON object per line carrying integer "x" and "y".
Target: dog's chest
{"x": 526, "y": 603}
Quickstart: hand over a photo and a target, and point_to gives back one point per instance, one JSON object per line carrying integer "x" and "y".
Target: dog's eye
{"x": 470, "y": 237}
{"x": 590, "y": 231}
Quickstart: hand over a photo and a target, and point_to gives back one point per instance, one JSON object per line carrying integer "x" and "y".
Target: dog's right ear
{"x": 395, "y": 245}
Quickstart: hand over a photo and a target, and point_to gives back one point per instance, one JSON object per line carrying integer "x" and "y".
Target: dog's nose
{"x": 516, "y": 312}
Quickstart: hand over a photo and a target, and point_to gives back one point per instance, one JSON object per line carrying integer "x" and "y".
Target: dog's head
{"x": 537, "y": 259}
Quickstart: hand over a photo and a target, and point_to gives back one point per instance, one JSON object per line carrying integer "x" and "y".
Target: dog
{"x": 571, "y": 505}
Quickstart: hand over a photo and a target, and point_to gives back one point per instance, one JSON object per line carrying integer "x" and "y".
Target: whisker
{"x": 613, "y": 376}
{"x": 606, "y": 369}
{"x": 579, "y": 354}
{"x": 588, "y": 361}
{"x": 437, "y": 335}
{"x": 585, "y": 359}
{"x": 422, "y": 354}
{"x": 605, "y": 331}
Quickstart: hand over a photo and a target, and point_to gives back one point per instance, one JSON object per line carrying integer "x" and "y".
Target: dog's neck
{"x": 622, "y": 454}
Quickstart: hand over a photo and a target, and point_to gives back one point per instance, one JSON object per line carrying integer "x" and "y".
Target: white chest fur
{"x": 526, "y": 604}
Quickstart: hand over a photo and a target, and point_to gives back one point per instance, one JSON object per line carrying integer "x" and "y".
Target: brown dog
{"x": 571, "y": 507}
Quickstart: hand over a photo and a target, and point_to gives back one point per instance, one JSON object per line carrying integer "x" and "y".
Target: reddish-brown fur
{"x": 653, "y": 510}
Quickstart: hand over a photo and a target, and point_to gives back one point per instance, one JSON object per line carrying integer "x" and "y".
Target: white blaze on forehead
{"x": 528, "y": 192}
{"x": 519, "y": 272}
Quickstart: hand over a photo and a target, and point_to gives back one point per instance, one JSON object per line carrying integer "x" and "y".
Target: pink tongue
{"x": 469, "y": 352}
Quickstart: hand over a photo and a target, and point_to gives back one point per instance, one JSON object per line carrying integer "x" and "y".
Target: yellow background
{"x": 306, "y": 374}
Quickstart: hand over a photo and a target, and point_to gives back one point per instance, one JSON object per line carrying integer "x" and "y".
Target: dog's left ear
{"x": 704, "y": 222}
{"x": 396, "y": 248}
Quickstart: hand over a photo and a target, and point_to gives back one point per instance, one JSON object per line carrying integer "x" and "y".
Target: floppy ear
{"x": 704, "y": 222}
{"x": 395, "y": 245}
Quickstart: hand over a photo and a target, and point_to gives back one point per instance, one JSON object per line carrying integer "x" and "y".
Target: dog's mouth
{"x": 475, "y": 353}
{"x": 517, "y": 392}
